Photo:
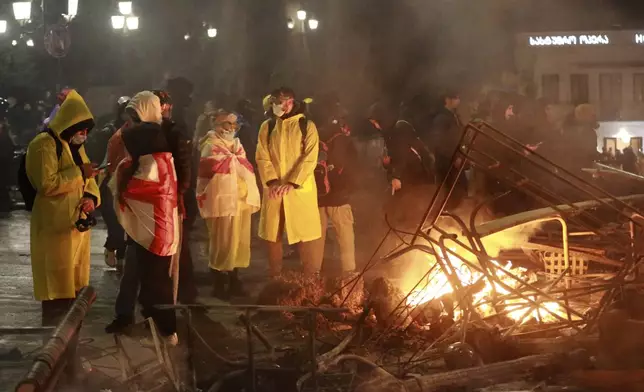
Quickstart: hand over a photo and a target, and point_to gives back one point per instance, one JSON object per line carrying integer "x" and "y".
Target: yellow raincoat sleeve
{"x": 305, "y": 166}
{"x": 267, "y": 172}
{"x": 43, "y": 172}
{"x": 91, "y": 186}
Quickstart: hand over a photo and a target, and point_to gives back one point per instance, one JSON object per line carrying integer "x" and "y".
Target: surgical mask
{"x": 78, "y": 139}
{"x": 228, "y": 135}
{"x": 277, "y": 110}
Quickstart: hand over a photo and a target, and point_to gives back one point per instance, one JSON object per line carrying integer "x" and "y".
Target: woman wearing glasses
{"x": 227, "y": 196}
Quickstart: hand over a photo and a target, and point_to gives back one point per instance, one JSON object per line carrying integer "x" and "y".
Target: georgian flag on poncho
{"x": 149, "y": 214}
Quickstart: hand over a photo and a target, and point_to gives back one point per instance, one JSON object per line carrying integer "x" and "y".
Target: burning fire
{"x": 436, "y": 284}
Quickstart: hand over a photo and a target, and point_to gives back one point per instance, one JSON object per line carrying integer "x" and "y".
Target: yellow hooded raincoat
{"x": 287, "y": 160}
{"x": 60, "y": 254}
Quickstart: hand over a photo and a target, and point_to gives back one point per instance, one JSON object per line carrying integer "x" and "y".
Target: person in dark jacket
{"x": 180, "y": 89}
{"x": 338, "y": 154}
{"x": 410, "y": 171}
{"x": 115, "y": 242}
{"x": 446, "y": 130}
{"x": 247, "y": 133}
{"x": 150, "y": 152}
{"x": 182, "y": 149}
{"x": 7, "y": 149}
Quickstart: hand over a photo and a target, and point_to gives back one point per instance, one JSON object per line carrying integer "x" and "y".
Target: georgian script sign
{"x": 569, "y": 40}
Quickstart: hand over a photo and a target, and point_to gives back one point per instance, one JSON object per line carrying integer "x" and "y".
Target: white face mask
{"x": 78, "y": 139}
{"x": 228, "y": 135}
{"x": 277, "y": 110}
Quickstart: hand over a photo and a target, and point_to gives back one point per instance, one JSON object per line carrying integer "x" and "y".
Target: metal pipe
{"x": 46, "y": 363}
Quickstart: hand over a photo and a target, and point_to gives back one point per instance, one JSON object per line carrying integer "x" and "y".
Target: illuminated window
{"x": 579, "y": 89}
{"x": 550, "y": 87}
{"x": 638, "y": 87}
{"x": 610, "y": 95}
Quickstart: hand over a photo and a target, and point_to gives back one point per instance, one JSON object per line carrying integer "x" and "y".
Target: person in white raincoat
{"x": 227, "y": 196}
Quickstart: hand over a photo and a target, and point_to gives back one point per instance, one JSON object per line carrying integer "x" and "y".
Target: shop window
{"x": 610, "y": 96}
{"x": 638, "y": 87}
{"x": 550, "y": 87}
{"x": 579, "y": 92}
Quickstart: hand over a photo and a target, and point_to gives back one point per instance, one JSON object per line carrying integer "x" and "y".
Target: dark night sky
{"x": 468, "y": 38}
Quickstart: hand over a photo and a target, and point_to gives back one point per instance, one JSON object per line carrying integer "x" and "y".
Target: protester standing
{"x": 227, "y": 195}
{"x": 287, "y": 153}
{"x": 145, "y": 188}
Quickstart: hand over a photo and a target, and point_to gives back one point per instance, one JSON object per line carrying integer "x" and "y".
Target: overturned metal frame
{"x": 497, "y": 155}
{"x": 248, "y": 366}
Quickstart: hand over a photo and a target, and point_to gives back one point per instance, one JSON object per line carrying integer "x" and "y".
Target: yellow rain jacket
{"x": 60, "y": 254}
{"x": 286, "y": 160}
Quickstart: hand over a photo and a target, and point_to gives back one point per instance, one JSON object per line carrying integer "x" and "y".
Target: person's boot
{"x": 120, "y": 325}
{"x": 236, "y": 288}
{"x": 220, "y": 285}
{"x": 110, "y": 258}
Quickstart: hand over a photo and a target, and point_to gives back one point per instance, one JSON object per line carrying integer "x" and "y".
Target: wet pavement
{"x": 19, "y": 309}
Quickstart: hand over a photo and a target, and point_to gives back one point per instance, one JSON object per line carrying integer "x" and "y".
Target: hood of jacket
{"x": 147, "y": 107}
{"x": 72, "y": 116}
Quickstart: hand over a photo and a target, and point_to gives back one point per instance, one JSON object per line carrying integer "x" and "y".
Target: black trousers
{"x": 187, "y": 289}
{"x": 156, "y": 288}
{"x": 115, "y": 234}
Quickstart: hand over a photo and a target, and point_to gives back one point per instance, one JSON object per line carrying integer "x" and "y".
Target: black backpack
{"x": 321, "y": 172}
{"x": 24, "y": 185}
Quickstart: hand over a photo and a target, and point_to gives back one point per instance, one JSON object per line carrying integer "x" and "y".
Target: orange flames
{"x": 437, "y": 284}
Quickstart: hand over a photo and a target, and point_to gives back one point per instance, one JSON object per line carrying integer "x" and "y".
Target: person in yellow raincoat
{"x": 227, "y": 196}
{"x": 65, "y": 190}
{"x": 286, "y": 158}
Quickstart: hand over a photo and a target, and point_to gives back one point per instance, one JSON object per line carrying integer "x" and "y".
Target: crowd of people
{"x": 299, "y": 170}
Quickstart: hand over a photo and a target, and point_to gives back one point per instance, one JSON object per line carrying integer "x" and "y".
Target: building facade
{"x": 604, "y": 68}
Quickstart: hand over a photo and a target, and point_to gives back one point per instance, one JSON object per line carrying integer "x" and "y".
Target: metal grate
{"x": 555, "y": 264}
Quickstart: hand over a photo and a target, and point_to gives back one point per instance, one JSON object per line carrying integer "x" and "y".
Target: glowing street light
{"x": 22, "y": 10}
{"x": 301, "y": 15}
{"x": 3, "y": 26}
{"x": 212, "y": 32}
{"x": 14, "y": 42}
{"x": 72, "y": 9}
{"x": 290, "y": 24}
{"x": 30, "y": 42}
{"x": 125, "y": 7}
{"x": 186, "y": 37}
{"x": 118, "y": 22}
{"x": 132, "y": 22}
{"x": 313, "y": 24}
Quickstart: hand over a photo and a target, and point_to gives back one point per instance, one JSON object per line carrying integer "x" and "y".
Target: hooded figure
{"x": 60, "y": 253}
{"x": 146, "y": 197}
{"x": 146, "y": 182}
